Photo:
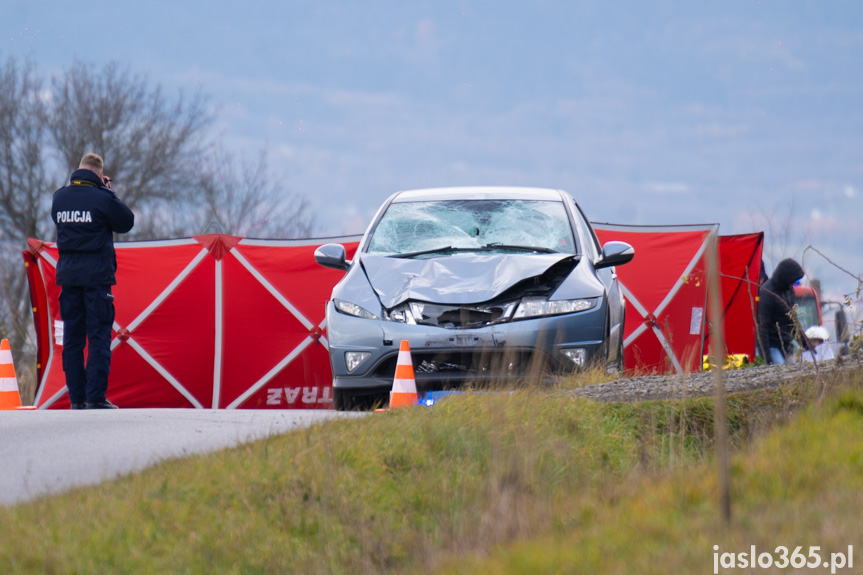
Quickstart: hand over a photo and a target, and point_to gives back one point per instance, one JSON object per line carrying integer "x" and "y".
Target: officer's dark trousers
{"x": 88, "y": 314}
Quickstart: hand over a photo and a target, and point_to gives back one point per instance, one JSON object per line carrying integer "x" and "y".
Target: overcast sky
{"x": 746, "y": 113}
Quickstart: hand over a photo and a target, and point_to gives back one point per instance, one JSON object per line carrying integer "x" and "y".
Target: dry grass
{"x": 528, "y": 481}
{"x": 797, "y": 485}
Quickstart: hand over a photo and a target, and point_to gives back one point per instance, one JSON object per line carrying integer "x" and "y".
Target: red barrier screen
{"x": 212, "y": 322}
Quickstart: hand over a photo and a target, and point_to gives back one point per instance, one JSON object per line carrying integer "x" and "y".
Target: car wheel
{"x": 343, "y": 399}
{"x": 617, "y": 366}
{"x": 358, "y": 400}
{"x": 606, "y": 345}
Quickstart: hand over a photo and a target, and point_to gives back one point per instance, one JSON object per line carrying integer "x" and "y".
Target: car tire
{"x": 357, "y": 400}
{"x": 605, "y": 352}
{"x": 343, "y": 399}
{"x": 617, "y": 366}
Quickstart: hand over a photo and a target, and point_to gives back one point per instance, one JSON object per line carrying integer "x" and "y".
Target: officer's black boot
{"x": 104, "y": 404}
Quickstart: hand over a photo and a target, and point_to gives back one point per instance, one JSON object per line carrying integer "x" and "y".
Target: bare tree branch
{"x": 151, "y": 145}
{"x": 242, "y": 199}
{"x": 23, "y": 173}
{"x": 159, "y": 151}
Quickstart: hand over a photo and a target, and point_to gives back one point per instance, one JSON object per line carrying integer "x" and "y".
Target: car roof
{"x": 478, "y": 193}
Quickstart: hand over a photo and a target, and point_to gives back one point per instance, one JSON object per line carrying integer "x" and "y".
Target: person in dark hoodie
{"x": 777, "y": 326}
{"x": 87, "y": 213}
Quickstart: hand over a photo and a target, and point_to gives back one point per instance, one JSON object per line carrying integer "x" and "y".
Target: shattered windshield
{"x": 447, "y": 226}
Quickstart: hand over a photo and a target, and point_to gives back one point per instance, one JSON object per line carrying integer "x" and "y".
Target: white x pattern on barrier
{"x": 217, "y": 367}
{"x": 662, "y": 305}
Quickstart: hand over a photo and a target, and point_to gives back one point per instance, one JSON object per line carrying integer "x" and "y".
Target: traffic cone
{"x": 404, "y": 390}
{"x": 9, "y": 396}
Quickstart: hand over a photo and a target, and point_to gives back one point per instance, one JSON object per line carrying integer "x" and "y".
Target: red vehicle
{"x": 808, "y": 306}
{"x": 830, "y": 314}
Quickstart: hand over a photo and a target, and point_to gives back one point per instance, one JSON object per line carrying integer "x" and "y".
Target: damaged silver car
{"x": 487, "y": 284}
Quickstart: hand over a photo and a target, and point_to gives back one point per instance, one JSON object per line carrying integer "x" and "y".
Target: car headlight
{"x": 353, "y": 309}
{"x": 578, "y": 355}
{"x": 539, "y": 306}
{"x": 354, "y": 359}
{"x": 406, "y": 312}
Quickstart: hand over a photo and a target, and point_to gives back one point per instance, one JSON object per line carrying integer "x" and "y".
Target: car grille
{"x": 454, "y": 316}
{"x": 463, "y": 317}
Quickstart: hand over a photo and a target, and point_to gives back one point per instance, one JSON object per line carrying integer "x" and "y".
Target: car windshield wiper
{"x": 500, "y": 246}
{"x": 485, "y": 248}
{"x": 441, "y": 250}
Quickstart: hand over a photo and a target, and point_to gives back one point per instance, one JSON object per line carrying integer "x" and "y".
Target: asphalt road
{"x": 50, "y": 451}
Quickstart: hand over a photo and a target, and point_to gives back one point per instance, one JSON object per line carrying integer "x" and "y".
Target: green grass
{"x": 531, "y": 481}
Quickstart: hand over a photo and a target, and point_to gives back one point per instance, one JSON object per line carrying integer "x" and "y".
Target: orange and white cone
{"x": 404, "y": 390}
{"x": 9, "y": 396}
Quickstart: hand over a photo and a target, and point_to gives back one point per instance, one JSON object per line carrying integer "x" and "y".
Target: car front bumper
{"x": 445, "y": 358}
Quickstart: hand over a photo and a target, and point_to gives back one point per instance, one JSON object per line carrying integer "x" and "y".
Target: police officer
{"x": 87, "y": 214}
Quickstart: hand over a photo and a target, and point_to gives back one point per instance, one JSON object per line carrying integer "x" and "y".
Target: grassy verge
{"x": 524, "y": 482}
{"x": 798, "y": 486}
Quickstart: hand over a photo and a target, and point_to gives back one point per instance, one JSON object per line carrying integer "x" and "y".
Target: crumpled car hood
{"x": 457, "y": 279}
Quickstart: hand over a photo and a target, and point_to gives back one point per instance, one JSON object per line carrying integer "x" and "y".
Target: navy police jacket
{"x": 87, "y": 214}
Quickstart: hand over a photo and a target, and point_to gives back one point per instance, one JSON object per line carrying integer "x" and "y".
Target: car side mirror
{"x": 332, "y": 256}
{"x": 615, "y": 254}
{"x": 842, "y": 332}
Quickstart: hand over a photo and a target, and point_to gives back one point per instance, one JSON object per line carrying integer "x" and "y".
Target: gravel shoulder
{"x": 643, "y": 388}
